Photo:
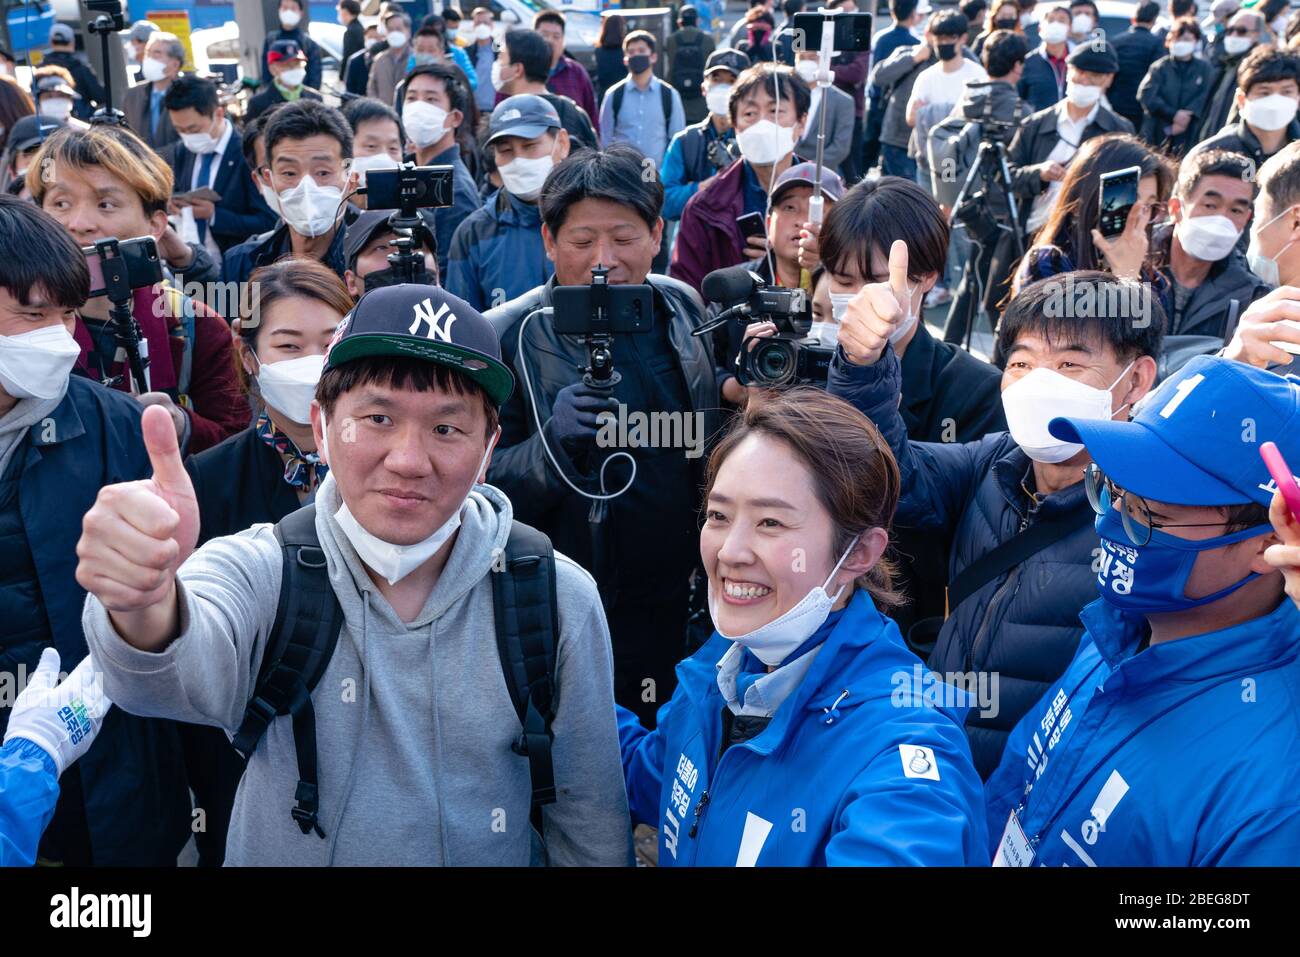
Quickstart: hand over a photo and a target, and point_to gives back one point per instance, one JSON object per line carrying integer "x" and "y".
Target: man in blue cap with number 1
{"x": 1173, "y": 738}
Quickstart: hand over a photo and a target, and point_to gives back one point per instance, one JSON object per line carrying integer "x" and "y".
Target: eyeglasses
{"x": 1135, "y": 514}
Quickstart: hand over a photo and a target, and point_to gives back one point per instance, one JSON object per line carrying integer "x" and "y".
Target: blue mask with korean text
{"x": 1152, "y": 578}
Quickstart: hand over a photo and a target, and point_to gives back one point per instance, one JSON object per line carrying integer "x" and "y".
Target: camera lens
{"x": 774, "y": 361}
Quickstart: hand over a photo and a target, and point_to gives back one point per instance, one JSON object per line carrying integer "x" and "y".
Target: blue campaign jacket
{"x": 806, "y": 791}
{"x": 29, "y": 789}
{"x": 1185, "y": 754}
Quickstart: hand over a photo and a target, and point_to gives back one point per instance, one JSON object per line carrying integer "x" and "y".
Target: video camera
{"x": 406, "y": 190}
{"x": 596, "y": 312}
{"x": 788, "y": 358}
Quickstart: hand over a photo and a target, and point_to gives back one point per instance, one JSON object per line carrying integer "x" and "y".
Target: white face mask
{"x": 1207, "y": 238}
{"x": 199, "y": 143}
{"x": 364, "y": 164}
{"x": 1265, "y": 267}
{"x": 498, "y": 82}
{"x": 290, "y": 19}
{"x": 807, "y": 70}
{"x": 1080, "y": 95}
{"x": 308, "y": 208}
{"x": 1082, "y": 23}
{"x": 396, "y": 39}
{"x": 59, "y": 108}
{"x": 424, "y": 123}
{"x": 482, "y": 32}
{"x": 1270, "y": 113}
{"x": 840, "y": 304}
{"x": 291, "y": 79}
{"x": 718, "y": 99}
{"x": 36, "y": 364}
{"x": 1054, "y": 32}
{"x": 289, "y": 386}
{"x": 1034, "y": 400}
{"x": 774, "y": 642}
{"x": 1182, "y": 49}
{"x": 394, "y": 562}
{"x": 827, "y": 334}
{"x": 1233, "y": 45}
{"x": 1278, "y": 26}
{"x": 766, "y": 142}
{"x": 1027, "y": 19}
{"x": 523, "y": 177}
{"x": 153, "y": 70}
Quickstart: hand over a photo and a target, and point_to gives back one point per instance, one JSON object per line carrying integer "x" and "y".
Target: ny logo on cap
{"x": 437, "y": 324}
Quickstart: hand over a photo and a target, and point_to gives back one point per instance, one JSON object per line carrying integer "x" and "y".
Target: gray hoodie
{"x": 413, "y": 721}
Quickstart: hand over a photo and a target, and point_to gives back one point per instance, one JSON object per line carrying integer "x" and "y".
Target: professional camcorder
{"x": 406, "y": 190}
{"x": 788, "y": 358}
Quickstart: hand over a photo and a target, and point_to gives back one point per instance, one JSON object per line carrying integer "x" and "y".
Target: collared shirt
{"x": 483, "y": 56}
{"x": 215, "y": 167}
{"x": 289, "y": 95}
{"x": 640, "y": 119}
{"x": 1069, "y": 135}
{"x": 761, "y": 696}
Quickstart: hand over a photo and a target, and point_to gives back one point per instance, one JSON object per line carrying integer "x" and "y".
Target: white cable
{"x": 541, "y": 434}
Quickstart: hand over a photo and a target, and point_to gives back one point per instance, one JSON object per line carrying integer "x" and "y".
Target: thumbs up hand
{"x": 137, "y": 534}
{"x": 876, "y": 311}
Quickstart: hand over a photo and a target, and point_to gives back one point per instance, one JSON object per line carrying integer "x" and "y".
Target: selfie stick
{"x": 816, "y": 205}
{"x": 131, "y": 346}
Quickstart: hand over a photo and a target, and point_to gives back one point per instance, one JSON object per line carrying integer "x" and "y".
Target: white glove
{"x": 62, "y": 719}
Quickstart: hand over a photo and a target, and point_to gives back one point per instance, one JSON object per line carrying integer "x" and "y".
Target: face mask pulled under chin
{"x": 773, "y": 642}
{"x": 1035, "y": 399}
{"x": 394, "y": 562}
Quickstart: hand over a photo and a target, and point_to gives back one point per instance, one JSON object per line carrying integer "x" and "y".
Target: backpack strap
{"x": 528, "y": 629}
{"x": 618, "y": 100}
{"x": 666, "y": 101}
{"x": 308, "y": 619}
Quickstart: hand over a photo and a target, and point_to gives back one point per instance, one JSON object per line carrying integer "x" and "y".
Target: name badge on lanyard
{"x": 1013, "y": 849}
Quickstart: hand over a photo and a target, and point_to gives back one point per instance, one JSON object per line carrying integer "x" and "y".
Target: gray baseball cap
{"x": 525, "y": 114}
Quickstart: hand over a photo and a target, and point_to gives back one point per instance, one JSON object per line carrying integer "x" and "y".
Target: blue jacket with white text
{"x": 1182, "y": 754}
{"x": 853, "y": 769}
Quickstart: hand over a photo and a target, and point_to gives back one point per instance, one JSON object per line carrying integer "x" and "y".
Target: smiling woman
{"x": 802, "y": 693}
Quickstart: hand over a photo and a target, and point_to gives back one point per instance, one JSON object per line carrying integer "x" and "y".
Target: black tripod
{"x": 132, "y": 347}
{"x": 973, "y": 207}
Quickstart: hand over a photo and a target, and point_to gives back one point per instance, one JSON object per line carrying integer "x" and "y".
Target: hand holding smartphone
{"x": 1284, "y": 513}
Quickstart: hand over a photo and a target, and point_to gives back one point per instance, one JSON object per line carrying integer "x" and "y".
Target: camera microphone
{"x": 730, "y": 284}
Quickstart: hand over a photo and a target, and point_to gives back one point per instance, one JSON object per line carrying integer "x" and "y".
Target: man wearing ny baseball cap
{"x": 406, "y": 415}
{"x": 497, "y": 253}
{"x": 1173, "y": 738}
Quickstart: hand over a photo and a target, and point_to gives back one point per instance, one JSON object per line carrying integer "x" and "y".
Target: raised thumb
{"x": 164, "y": 454}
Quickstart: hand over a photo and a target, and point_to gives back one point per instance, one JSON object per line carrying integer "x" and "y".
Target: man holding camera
{"x": 308, "y": 148}
{"x": 103, "y": 182}
{"x": 434, "y": 104}
{"x": 62, "y": 438}
{"x": 497, "y": 253}
{"x": 706, "y": 148}
{"x": 1048, "y": 140}
{"x": 563, "y": 464}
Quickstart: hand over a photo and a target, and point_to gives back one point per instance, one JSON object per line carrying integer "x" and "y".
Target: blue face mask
{"x": 1151, "y": 579}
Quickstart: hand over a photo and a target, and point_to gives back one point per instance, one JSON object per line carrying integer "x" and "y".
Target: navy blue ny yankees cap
{"x": 423, "y": 322}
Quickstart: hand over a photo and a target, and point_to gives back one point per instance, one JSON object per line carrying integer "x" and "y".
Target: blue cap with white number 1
{"x": 1195, "y": 440}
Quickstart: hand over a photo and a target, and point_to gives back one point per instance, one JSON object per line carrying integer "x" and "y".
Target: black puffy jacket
{"x": 1023, "y": 626}
{"x": 1169, "y": 86}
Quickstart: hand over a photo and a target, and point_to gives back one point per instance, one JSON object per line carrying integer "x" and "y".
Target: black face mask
{"x": 639, "y": 63}
{"x": 388, "y": 277}
{"x": 947, "y": 51}
{"x": 1005, "y": 24}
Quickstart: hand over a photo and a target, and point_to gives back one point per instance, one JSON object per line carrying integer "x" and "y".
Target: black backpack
{"x": 688, "y": 67}
{"x": 307, "y": 624}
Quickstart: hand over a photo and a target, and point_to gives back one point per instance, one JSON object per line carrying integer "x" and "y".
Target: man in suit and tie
{"x": 210, "y": 154}
{"x": 164, "y": 54}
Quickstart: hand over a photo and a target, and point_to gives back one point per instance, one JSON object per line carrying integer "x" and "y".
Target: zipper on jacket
{"x": 699, "y": 813}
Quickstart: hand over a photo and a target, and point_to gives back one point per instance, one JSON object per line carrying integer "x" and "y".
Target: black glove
{"x": 574, "y": 416}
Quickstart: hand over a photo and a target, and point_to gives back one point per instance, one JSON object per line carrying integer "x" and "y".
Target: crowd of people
{"x": 491, "y": 532}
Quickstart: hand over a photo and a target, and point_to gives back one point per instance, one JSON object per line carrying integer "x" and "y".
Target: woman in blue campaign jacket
{"x": 801, "y": 733}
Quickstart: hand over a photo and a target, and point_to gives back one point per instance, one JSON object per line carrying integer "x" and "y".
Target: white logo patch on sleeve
{"x": 918, "y": 761}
